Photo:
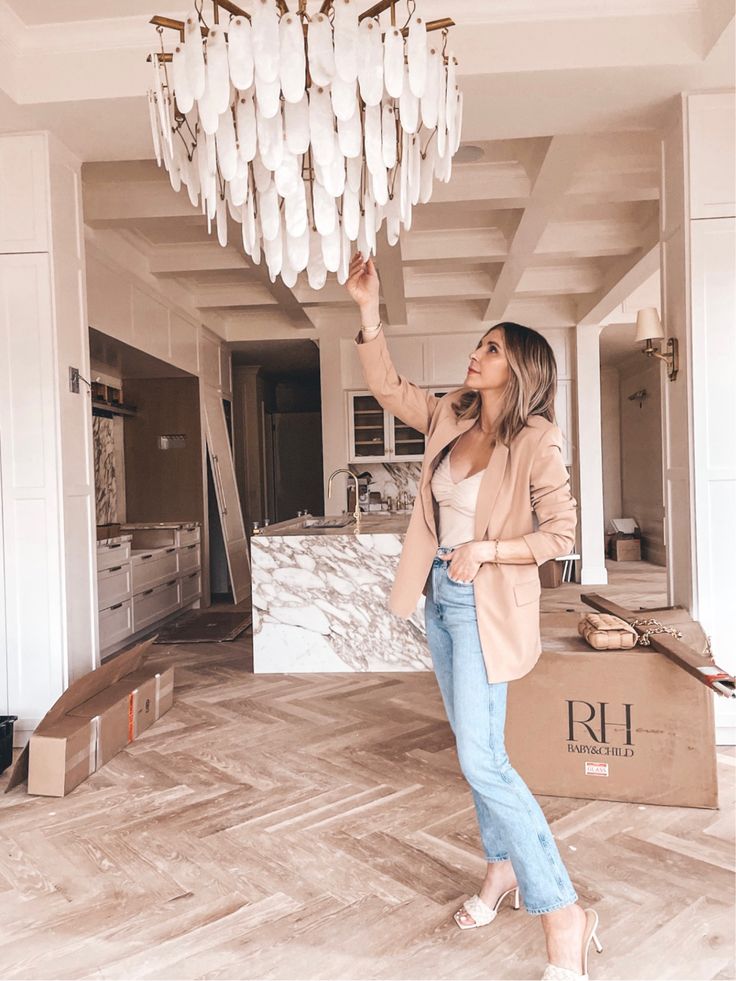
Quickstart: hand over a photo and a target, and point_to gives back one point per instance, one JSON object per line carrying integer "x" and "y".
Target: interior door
{"x": 226, "y": 492}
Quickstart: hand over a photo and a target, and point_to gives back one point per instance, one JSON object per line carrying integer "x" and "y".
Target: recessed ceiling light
{"x": 469, "y": 153}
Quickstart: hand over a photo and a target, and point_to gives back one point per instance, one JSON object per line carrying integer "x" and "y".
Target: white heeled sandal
{"x": 553, "y": 972}
{"x": 482, "y": 913}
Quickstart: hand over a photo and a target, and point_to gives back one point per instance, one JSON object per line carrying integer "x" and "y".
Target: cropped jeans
{"x": 512, "y": 824}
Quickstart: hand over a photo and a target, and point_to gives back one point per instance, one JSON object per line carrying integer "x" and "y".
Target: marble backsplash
{"x": 106, "y": 485}
{"x": 389, "y": 479}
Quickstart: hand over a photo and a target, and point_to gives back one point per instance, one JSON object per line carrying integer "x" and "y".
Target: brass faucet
{"x": 356, "y": 512}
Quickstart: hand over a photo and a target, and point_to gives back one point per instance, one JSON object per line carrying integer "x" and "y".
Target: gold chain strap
{"x": 652, "y": 626}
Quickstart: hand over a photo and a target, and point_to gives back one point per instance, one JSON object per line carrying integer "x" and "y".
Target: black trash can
{"x": 6, "y": 740}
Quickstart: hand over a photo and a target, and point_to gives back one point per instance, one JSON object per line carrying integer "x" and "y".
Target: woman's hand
{"x": 362, "y": 285}
{"x": 465, "y": 560}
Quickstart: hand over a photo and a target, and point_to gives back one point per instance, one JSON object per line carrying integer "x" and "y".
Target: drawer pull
{"x": 170, "y": 550}
{"x": 115, "y": 568}
{"x": 116, "y": 607}
{"x": 147, "y": 592}
{"x": 143, "y": 557}
{"x": 190, "y": 547}
{"x": 172, "y": 583}
{"x": 193, "y": 575}
{"x": 119, "y": 545}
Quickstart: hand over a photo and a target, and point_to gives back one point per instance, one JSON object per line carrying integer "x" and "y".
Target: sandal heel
{"x": 516, "y": 898}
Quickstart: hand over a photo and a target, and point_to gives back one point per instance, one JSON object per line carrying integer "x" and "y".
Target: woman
{"x": 492, "y": 458}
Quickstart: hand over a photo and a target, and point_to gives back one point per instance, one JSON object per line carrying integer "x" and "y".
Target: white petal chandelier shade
{"x": 309, "y": 131}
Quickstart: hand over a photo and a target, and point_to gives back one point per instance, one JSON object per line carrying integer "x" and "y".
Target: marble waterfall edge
{"x": 320, "y": 604}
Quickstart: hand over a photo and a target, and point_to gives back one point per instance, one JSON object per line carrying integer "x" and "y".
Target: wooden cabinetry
{"x": 139, "y": 589}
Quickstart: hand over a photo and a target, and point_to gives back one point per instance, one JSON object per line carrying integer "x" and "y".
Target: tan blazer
{"x": 526, "y": 478}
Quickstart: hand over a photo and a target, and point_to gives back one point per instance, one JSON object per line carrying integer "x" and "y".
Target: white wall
{"x": 50, "y": 622}
{"x": 611, "y": 445}
{"x": 699, "y": 309}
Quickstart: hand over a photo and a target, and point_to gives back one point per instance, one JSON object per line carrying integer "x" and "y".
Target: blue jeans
{"x": 512, "y": 824}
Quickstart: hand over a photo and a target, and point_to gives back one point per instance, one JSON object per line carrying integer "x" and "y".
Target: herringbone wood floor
{"x": 317, "y": 826}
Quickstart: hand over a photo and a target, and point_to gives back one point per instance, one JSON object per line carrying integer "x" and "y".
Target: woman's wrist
{"x": 486, "y": 551}
{"x": 369, "y": 317}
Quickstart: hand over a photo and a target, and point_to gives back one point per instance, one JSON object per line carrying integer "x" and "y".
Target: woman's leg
{"x": 440, "y": 648}
{"x": 479, "y": 713}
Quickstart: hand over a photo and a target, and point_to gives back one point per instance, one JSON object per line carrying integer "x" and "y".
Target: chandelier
{"x": 308, "y": 131}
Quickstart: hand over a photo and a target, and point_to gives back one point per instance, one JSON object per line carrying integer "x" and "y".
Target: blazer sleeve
{"x": 412, "y": 404}
{"x": 553, "y": 504}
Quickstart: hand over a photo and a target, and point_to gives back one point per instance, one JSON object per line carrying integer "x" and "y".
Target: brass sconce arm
{"x": 670, "y": 357}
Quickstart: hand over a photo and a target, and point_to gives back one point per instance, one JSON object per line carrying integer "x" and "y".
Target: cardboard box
{"x": 550, "y": 574}
{"x": 80, "y": 691}
{"x": 612, "y": 725}
{"x": 625, "y": 549}
{"x": 62, "y": 755}
{"x": 127, "y": 708}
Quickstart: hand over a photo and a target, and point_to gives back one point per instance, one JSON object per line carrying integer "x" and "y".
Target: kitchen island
{"x": 320, "y": 598}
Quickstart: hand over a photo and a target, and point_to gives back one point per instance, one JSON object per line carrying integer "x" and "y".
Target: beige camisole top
{"x": 457, "y": 503}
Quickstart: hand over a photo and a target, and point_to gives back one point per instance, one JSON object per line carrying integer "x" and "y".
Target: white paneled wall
{"x": 699, "y": 307}
{"x": 49, "y": 629}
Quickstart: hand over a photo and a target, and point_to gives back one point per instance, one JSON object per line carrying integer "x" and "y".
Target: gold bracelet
{"x": 495, "y": 550}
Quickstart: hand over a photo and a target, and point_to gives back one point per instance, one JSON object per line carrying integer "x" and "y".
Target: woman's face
{"x": 488, "y": 369}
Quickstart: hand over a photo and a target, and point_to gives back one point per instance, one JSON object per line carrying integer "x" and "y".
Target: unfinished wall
{"x": 641, "y": 455}
{"x": 163, "y": 485}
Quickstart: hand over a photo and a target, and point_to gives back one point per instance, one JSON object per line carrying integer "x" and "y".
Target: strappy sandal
{"x": 482, "y": 913}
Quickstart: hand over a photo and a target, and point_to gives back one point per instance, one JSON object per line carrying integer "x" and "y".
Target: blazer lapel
{"x": 490, "y": 485}
{"x": 447, "y": 429}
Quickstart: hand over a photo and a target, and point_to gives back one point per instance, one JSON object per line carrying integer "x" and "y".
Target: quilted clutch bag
{"x": 605, "y": 632}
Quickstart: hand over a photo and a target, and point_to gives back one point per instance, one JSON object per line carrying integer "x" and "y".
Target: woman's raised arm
{"x": 410, "y": 403}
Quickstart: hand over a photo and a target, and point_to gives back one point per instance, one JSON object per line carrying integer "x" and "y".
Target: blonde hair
{"x": 531, "y": 387}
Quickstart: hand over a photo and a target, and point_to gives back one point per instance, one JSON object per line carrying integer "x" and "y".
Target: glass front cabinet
{"x": 376, "y": 435}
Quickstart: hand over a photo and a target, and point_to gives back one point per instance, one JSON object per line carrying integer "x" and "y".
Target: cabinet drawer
{"x": 153, "y": 568}
{"x": 190, "y": 587}
{"x": 187, "y": 536}
{"x": 111, "y": 555}
{"x": 113, "y": 585}
{"x": 155, "y": 604}
{"x": 189, "y": 559}
{"x": 116, "y": 623}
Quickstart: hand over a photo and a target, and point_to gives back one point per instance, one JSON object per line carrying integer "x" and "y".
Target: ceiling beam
{"x": 622, "y": 278}
{"x": 552, "y": 179}
{"x": 391, "y": 275}
{"x": 282, "y": 295}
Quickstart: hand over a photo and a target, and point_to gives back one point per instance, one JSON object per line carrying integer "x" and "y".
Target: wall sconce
{"x": 639, "y": 397}
{"x": 649, "y": 328}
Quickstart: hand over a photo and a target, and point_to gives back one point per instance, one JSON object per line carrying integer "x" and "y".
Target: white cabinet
{"x": 137, "y": 589}
{"x": 448, "y": 356}
{"x": 152, "y": 567}
{"x": 155, "y": 604}
{"x": 377, "y": 436}
{"x": 711, "y": 125}
{"x": 116, "y": 625}
{"x": 24, "y": 194}
{"x": 114, "y": 585}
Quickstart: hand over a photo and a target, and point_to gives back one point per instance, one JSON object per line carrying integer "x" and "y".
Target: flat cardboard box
{"x": 62, "y": 755}
{"x": 78, "y": 692}
{"x": 163, "y": 689}
{"x": 612, "y": 725}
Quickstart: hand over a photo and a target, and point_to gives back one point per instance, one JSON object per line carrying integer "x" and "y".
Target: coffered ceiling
{"x": 554, "y": 224}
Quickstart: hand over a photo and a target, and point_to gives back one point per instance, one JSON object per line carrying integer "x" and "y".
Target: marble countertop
{"x": 372, "y": 523}
{"x": 146, "y": 525}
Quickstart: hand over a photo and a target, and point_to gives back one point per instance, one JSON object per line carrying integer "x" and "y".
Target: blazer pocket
{"x": 527, "y": 592}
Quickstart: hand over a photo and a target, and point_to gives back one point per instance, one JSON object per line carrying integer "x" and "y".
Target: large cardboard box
{"x": 58, "y": 724}
{"x": 62, "y": 755}
{"x": 625, "y": 549}
{"x": 613, "y": 725}
{"x": 127, "y": 708}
